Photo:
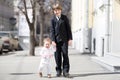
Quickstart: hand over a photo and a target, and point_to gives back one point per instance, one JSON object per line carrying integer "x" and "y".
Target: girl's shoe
{"x": 40, "y": 74}
{"x": 49, "y": 75}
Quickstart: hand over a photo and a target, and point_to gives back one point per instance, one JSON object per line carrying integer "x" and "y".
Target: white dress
{"x": 46, "y": 55}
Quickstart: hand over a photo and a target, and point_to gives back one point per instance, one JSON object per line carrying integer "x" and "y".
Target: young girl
{"x": 46, "y": 54}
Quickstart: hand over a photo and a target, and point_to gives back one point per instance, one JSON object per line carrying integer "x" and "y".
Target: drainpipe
{"x": 108, "y": 26}
{"x": 85, "y": 29}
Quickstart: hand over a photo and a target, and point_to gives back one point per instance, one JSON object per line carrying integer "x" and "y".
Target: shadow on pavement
{"x": 71, "y": 75}
{"x": 6, "y": 53}
{"x": 92, "y": 74}
{"x": 21, "y": 73}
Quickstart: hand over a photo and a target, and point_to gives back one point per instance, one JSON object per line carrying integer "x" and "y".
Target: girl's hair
{"x": 47, "y": 39}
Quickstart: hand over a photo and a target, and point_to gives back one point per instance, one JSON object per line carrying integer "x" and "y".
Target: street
{"x": 19, "y": 66}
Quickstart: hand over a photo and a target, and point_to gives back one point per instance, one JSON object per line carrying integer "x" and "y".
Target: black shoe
{"x": 65, "y": 74}
{"x": 58, "y": 74}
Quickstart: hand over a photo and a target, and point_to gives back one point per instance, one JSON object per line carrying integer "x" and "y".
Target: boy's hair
{"x": 57, "y": 6}
{"x": 47, "y": 39}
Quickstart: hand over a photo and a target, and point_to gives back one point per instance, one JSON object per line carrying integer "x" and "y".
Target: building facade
{"x": 7, "y": 19}
{"x": 80, "y": 26}
{"x": 105, "y": 33}
{"x": 102, "y": 18}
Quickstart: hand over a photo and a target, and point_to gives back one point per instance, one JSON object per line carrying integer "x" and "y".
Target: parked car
{"x": 9, "y": 41}
{"x": 1, "y": 42}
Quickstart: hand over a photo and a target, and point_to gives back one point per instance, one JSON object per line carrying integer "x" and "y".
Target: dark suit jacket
{"x": 61, "y": 28}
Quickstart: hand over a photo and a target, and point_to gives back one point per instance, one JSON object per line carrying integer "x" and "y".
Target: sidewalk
{"x": 20, "y": 66}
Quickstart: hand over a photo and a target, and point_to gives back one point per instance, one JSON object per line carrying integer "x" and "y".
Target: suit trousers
{"x": 61, "y": 57}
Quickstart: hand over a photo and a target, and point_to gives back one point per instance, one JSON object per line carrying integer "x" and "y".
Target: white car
{"x": 10, "y": 42}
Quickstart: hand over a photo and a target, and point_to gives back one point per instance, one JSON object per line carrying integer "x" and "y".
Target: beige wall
{"x": 90, "y": 17}
{"x": 76, "y": 14}
{"x": 116, "y": 9}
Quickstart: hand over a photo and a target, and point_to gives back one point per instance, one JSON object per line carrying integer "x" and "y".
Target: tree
{"x": 24, "y": 7}
{"x": 44, "y": 9}
{"x": 41, "y": 11}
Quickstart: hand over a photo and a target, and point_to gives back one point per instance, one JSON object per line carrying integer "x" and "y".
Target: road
{"x": 20, "y": 66}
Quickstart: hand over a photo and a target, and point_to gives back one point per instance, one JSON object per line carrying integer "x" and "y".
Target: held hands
{"x": 53, "y": 43}
{"x": 54, "y": 46}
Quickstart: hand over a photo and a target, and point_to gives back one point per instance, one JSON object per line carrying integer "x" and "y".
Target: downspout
{"x": 85, "y": 33}
{"x": 108, "y": 27}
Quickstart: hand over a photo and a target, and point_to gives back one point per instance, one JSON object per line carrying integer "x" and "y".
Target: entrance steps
{"x": 110, "y": 61}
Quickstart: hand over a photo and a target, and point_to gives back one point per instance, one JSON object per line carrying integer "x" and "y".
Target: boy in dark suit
{"x": 61, "y": 37}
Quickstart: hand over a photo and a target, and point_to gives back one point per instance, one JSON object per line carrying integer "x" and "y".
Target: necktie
{"x": 58, "y": 18}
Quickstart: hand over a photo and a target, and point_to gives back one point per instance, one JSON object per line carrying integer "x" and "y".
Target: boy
{"x": 61, "y": 36}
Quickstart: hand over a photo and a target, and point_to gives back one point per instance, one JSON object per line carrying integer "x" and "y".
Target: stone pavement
{"x": 19, "y": 66}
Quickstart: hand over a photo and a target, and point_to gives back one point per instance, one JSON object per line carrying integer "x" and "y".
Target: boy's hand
{"x": 70, "y": 42}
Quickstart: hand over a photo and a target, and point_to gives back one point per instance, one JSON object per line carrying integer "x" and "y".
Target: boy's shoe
{"x": 49, "y": 75}
{"x": 40, "y": 74}
{"x": 58, "y": 74}
{"x": 65, "y": 74}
